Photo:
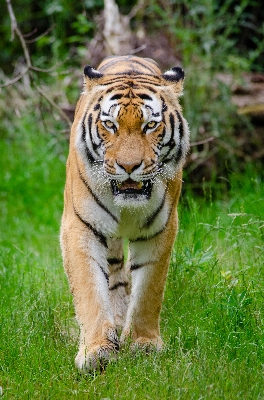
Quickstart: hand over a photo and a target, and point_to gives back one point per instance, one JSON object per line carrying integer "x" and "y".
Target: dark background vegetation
{"x": 219, "y": 44}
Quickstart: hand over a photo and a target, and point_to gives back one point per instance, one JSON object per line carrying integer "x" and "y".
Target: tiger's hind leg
{"x": 119, "y": 286}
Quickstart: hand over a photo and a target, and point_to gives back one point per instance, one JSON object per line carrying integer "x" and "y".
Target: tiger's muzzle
{"x": 132, "y": 189}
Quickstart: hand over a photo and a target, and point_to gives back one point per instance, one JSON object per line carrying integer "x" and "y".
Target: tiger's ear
{"x": 175, "y": 76}
{"x": 91, "y": 73}
{"x": 91, "y": 77}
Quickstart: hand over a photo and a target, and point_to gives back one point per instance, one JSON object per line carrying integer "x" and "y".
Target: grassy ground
{"x": 212, "y": 318}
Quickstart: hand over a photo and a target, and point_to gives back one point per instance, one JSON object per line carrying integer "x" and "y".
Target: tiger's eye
{"x": 151, "y": 124}
{"x": 109, "y": 124}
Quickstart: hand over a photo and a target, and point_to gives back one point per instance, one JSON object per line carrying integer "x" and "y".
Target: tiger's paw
{"x": 147, "y": 345}
{"x": 95, "y": 359}
{"x": 96, "y": 356}
{"x": 142, "y": 343}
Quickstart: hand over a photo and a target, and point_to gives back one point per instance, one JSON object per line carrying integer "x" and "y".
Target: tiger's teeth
{"x": 140, "y": 184}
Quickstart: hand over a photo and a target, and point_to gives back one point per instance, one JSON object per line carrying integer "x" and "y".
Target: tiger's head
{"x": 132, "y": 131}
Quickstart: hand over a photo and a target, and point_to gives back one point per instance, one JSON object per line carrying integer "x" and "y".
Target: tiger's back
{"x": 128, "y": 145}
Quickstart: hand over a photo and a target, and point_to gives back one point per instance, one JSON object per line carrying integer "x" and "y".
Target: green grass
{"x": 212, "y": 318}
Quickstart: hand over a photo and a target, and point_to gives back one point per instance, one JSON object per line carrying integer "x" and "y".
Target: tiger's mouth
{"x": 132, "y": 188}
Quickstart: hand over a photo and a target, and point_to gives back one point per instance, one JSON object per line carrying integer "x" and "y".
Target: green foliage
{"x": 69, "y": 25}
{"x": 219, "y": 35}
{"x": 208, "y": 33}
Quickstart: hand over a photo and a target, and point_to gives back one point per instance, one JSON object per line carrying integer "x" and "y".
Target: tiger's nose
{"x": 129, "y": 167}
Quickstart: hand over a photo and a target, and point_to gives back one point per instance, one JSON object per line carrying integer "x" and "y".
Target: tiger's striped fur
{"x": 127, "y": 148}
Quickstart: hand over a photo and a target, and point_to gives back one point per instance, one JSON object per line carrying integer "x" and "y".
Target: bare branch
{"x": 135, "y": 9}
{"x": 17, "y": 78}
{"x": 138, "y": 49}
{"x": 16, "y": 30}
{"x": 62, "y": 113}
{"x": 41, "y": 35}
{"x": 46, "y": 70}
{"x": 30, "y": 67}
{"x": 30, "y": 33}
{"x": 202, "y": 141}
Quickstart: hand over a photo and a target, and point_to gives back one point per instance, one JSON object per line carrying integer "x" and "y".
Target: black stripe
{"x": 176, "y": 157}
{"x": 154, "y": 150}
{"x": 152, "y": 217}
{"x": 150, "y": 108}
{"x": 144, "y": 96}
{"x": 101, "y": 268}
{"x": 116, "y": 78}
{"x": 114, "y": 260}
{"x": 89, "y": 155}
{"x": 83, "y": 127}
{"x": 147, "y": 67}
{"x": 125, "y": 86}
{"x": 137, "y": 80}
{"x": 105, "y": 274}
{"x": 116, "y": 59}
{"x": 94, "y": 145}
{"x": 118, "y": 284}
{"x": 133, "y": 267}
{"x": 96, "y": 199}
{"x": 180, "y": 124}
{"x": 105, "y": 114}
{"x": 118, "y": 87}
{"x": 148, "y": 82}
{"x": 172, "y": 124}
{"x": 161, "y": 135}
{"x": 134, "y": 74}
{"x": 107, "y": 65}
{"x": 171, "y": 142}
{"x": 117, "y": 96}
{"x": 168, "y": 157}
{"x": 96, "y": 107}
{"x": 145, "y": 238}
{"x": 115, "y": 81}
{"x": 96, "y": 233}
{"x": 151, "y": 89}
{"x": 98, "y": 117}
{"x": 179, "y": 154}
{"x": 164, "y": 105}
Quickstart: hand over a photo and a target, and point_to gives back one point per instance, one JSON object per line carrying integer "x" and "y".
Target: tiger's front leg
{"x": 149, "y": 261}
{"x": 119, "y": 285}
{"x": 85, "y": 263}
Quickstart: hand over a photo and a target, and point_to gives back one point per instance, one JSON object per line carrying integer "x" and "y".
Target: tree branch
{"x": 41, "y": 35}
{"x": 17, "y": 78}
{"x": 202, "y": 141}
{"x": 15, "y": 29}
{"x": 29, "y": 67}
{"x": 62, "y": 113}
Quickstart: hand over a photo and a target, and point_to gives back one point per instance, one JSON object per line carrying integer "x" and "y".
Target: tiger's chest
{"x": 134, "y": 222}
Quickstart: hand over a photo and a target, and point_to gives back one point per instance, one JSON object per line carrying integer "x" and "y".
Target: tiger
{"x": 127, "y": 149}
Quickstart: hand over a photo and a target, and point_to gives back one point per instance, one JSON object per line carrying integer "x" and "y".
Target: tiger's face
{"x": 137, "y": 135}
{"x": 131, "y": 129}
